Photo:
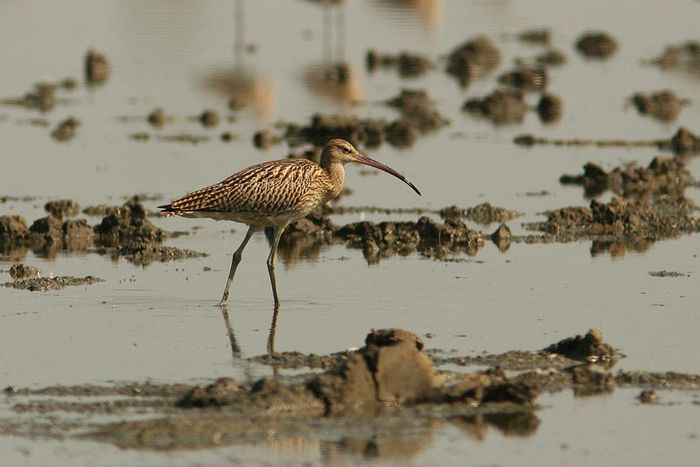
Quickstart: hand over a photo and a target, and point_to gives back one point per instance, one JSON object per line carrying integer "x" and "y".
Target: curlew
{"x": 274, "y": 194}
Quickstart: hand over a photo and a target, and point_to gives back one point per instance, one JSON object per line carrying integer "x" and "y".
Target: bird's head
{"x": 344, "y": 152}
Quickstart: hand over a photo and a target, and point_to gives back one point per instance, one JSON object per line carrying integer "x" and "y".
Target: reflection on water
{"x": 241, "y": 84}
{"x": 333, "y": 77}
{"x": 429, "y": 12}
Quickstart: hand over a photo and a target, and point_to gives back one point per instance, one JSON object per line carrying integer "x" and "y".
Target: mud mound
{"x": 501, "y": 106}
{"x": 128, "y": 227}
{"x": 598, "y": 45}
{"x": 62, "y": 208}
{"x": 590, "y": 348}
{"x": 475, "y": 58}
{"x": 663, "y": 105}
{"x": 27, "y": 278}
{"x": 663, "y": 176}
{"x": 407, "y": 64}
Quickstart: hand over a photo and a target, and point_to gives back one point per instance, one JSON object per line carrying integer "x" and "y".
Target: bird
{"x": 274, "y": 194}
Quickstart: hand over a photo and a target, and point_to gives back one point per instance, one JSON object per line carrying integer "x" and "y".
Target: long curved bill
{"x": 362, "y": 159}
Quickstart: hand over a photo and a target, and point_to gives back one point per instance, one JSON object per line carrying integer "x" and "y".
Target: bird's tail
{"x": 167, "y": 210}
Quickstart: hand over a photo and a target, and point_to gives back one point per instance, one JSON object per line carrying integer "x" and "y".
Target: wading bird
{"x": 274, "y": 194}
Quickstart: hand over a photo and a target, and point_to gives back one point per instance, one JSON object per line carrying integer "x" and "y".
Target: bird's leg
{"x": 237, "y": 255}
{"x": 271, "y": 262}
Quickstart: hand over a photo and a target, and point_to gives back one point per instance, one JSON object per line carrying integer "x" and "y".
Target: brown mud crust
{"x": 417, "y": 117}
{"x": 663, "y": 105}
{"x": 683, "y": 142}
{"x": 62, "y": 208}
{"x": 384, "y": 239}
{"x": 407, "y": 64}
{"x": 551, "y": 58}
{"x": 501, "y": 106}
{"x": 157, "y": 118}
{"x": 535, "y": 36}
{"x": 265, "y": 139}
{"x": 209, "y": 118}
{"x": 65, "y": 130}
{"x": 124, "y": 231}
{"x": 680, "y": 56}
{"x": 525, "y": 78}
{"x": 550, "y": 108}
{"x": 27, "y": 278}
{"x": 621, "y": 223}
{"x": 184, "y": 138}
{"x": 389, "y": 383}
{"x": 96, "y": 67}
{"x": 598, "y": 45}
{"x": 668, "y": 274}
{"x": 42, "y": 97}
{"x": 663, "y": 176}
{"x": 482, "y": 213}
{"x": 475, "y": 58}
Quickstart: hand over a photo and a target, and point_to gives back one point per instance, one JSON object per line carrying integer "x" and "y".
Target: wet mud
{"x": 26, "y": 277}
{"x": 390, "y": 380}
{"x": 597, "y": 45}
{"x": 663, "y": 176}
{"x": 407, "y": 64}
{"x": 124, "y": 231}
{"x": 473, "y": 59}
{"x": 418, "y": 117}
{"x": 684, "y": 56}
{"x": 663, "y": 105}
{"x": 683, "y": 142}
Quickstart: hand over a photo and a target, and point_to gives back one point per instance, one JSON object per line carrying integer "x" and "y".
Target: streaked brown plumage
{"x": 274, "y": 194}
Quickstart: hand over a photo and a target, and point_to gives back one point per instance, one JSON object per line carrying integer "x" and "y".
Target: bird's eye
{"x": 345, "y": 150}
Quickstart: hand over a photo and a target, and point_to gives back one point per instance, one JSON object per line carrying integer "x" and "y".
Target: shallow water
{"x": 160, "y": 322}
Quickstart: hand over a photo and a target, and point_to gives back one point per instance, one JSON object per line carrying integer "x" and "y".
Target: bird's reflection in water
{"x": 333, "y": 77}
{"x": 235, "y": 349}
{"x": 402, "y": 441}
{"x": 519, "y": 423}
{"x": 244, "y": 86}
{"x": 429, "y": 12}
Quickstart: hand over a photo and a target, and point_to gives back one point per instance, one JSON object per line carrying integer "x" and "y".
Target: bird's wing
{"x": 270, "y": 187}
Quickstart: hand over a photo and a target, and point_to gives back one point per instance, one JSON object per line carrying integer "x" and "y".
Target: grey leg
{"x": 271, "y": 262}
{"x": 237, "y": 255}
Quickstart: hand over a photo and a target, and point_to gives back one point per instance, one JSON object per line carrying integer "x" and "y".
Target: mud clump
{"x": 21, "y": 271}
{"x": 265, "y": 139}
{"x": 501, "y": 106}
{"x": 589, "y": 348}
{"x": 407, "y": 64}
{"x": 683, "y": 142}
{"x": 417, "y": 117}
{"x": 502, "y": 237}
{"x": 663, "y": 105}
{"x": 525, "y": 78}
{"x": 417, "y": 108}
{"x": 685, "y": 55}
{"x": 390, "y": 372}
{"x": 143, "y": 255}
{"x": 598, "y": 45}
{"x": 42, "y": 97}
{"x": 535, "y": 36}
{"x": 12, "y": 229}
{"x": 632, "y": 219}
{"x": 551, "y": 58}
{"x": 27, "y": 278}
{"x": 426, "y": 236}
{"x": 156, "y": 118}
{"x": 663, "y": 176}
{"x": 128, "y": 227}
{"x": 475, "y": 58}
{"x": 62, "y": 208}
{"x": 96, "y": 67}
{"x": 209, "y": 118}
{"x": 65, "y": 131}
{"x": 550, "y": 108}
{"x": 483, "y": 213}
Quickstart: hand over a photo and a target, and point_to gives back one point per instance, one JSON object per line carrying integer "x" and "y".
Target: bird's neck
{"x": 336, "y": 176}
